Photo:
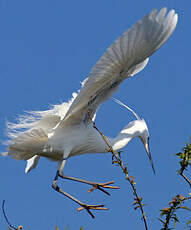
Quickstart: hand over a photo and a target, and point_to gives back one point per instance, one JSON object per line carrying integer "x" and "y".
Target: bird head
{"x": 140, "y": 129}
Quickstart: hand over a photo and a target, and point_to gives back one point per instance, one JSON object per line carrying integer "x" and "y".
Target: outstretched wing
{"x": 127, "y": 56}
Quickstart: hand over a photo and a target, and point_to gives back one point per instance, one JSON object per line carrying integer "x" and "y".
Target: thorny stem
{"x": 124, "y": 169}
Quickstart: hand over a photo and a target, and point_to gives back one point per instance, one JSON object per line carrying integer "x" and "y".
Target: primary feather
{"x": 125, "y": 57}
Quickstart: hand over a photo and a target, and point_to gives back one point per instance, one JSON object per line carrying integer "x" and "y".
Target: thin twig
{"x": 181, "y": 172}
{"x": 10, "y": 225}
{"x": 124, "y": 169}
{"x": 186, "y": 178}
{"x": 3, "y": 208}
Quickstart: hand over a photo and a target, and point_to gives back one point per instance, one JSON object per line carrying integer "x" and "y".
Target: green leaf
{"x": 186, "y": 208}
{"x": 175, "y": 218}
{"x": 188, "y": 222}
{"x": 161, "y": 220}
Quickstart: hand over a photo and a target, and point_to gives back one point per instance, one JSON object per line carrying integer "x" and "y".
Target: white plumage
{"x": 66, "y": 129}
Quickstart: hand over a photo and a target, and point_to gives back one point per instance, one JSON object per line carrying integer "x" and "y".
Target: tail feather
{"x": 29, "y": 135}
{"x": 27, "y": 144}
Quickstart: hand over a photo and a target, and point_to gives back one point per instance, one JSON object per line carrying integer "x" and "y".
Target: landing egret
{"x": 66, "y": 130}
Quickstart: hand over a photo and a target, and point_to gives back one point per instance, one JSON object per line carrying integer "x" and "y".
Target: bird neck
{"x": 123, "y": 138}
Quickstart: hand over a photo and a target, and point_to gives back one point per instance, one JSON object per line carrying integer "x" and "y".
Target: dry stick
{"x": 124, "y": 169}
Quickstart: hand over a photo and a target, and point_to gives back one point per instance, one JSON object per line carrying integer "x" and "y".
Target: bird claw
{"x": 100, "y": 186}
{"x": 91, "y": 207}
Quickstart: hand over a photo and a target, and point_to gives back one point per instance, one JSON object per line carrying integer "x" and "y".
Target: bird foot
{"x": 101, "y": 187}
{"x": 91, "y": 207}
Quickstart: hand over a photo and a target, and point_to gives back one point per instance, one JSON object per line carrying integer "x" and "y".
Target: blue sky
{"x": 46, "y": 49}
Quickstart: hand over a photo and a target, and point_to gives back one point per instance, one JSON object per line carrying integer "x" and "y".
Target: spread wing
{"x": 127, "y": 56}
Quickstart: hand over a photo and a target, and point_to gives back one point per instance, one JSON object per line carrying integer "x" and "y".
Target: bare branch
{"x": 124, "y": 169}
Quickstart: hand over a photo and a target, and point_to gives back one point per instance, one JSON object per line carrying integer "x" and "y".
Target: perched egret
{"x": 66, "y": 130}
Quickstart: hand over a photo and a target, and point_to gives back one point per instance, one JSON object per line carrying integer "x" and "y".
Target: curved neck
{"x": 123, "y": 138}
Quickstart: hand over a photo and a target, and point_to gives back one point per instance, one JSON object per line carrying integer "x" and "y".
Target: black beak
{"x": 149, "y": 155}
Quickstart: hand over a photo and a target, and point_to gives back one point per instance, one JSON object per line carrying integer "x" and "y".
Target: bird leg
{"x": 83, "y": 205}
{"x": 99, "y": 186}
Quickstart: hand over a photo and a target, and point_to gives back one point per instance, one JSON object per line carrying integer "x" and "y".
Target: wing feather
{"x": 127, "y": 56}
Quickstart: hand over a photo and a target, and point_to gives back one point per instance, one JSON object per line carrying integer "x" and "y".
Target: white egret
{"x": 66, "y": 130}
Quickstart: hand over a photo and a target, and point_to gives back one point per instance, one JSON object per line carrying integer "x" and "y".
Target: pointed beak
{"x": 146, "y": 144}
